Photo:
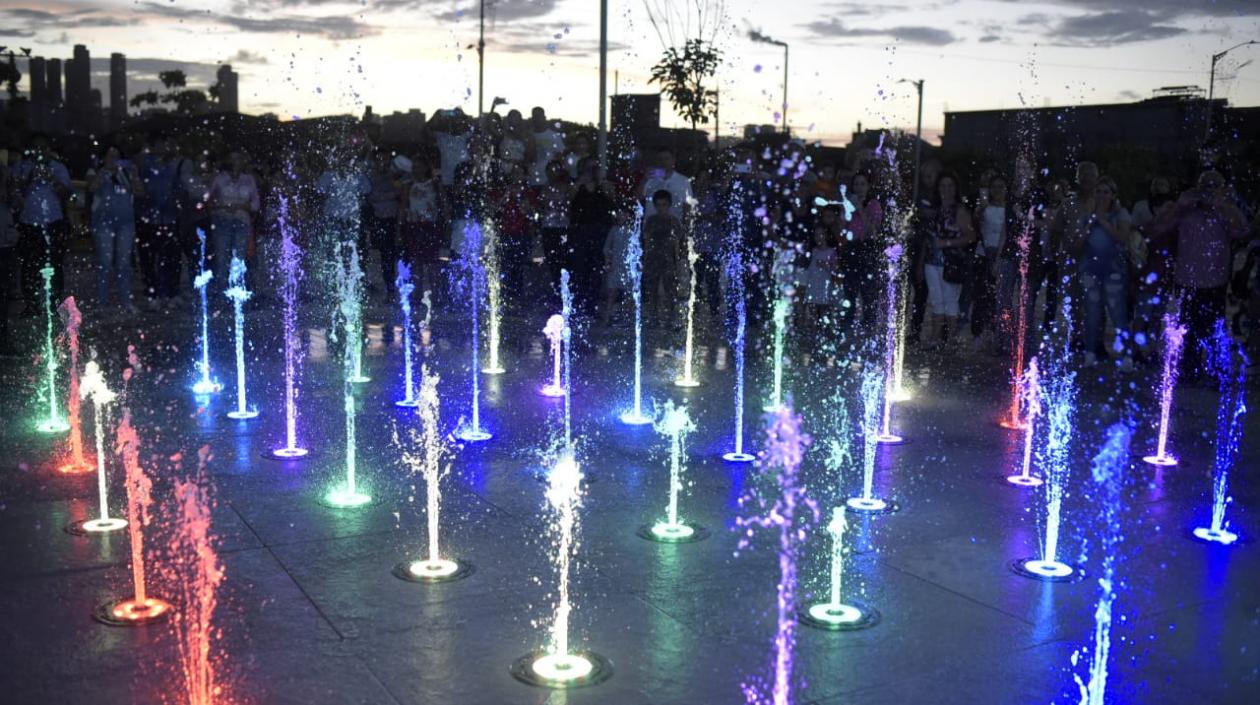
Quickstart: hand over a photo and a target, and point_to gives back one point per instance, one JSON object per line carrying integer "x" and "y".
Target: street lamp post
{"x": 481, "y": 61}
{"x": 602, "y": 140}
{"x": 1207, "y": 129}
{"x": 918, "y": 140}
{"x": 757, "y": 36}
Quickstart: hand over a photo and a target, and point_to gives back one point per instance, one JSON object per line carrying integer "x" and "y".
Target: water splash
{"x": 688, "y": 378}
{"x": 433, "y": 465}
{"x": 94, "y": 388}
{"x": 1228, "y": 363}
{"x": 894, "y": 254}
{"x": 349, "y": 288}
{"x": 471, "y": 266}
{"x": 1013, "y": 419}
{"x": 53, "y": 423}
{"x": 791, "y": 512}
{"x": 566, "y": 310}
{"x": 71, "y": 319}
{"x": 780, "y": 315}
{"x": 405, "y": 288}
{"x": 194, "y": 571}
{"x": 1053, "y": 457}
{"x": 237, "y": 292}
{"x": 675, "y": 423}
{"x": 1030, "y": 392}
{"x": 835, "y": 613}
{"x": 737, "y": 300}
{"x": 634, "y": 267}
{"x": 290, "y": 266}
{"x": 1108, "y": 473}
{"x": 873, "y": 387}
{"x": 207, "y": 384}
{"x": 1174, "y": 342}
{"x": 554, "y": 330}
{"x": 494, "y": 301}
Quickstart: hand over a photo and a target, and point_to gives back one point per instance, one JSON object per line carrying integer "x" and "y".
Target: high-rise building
{"x": 117, "y": 90}
{"x": 37, "y": 109}
{"x": 52, "y": 82}
{"x": 228, "y": 102}
{"x": 80, "y": 115}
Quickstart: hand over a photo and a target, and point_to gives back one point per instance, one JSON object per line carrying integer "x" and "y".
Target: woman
{"x": 553, "y": 204}
{"x": 992, "y": 215}
{"x": 234, "y": 200}
{"x": 861, "y": 257}
{"x": 114, "y": 188}
{"x": 944, "y": 262}
{"x": 1101, "y": 245}
{"x": 420, "y": 231}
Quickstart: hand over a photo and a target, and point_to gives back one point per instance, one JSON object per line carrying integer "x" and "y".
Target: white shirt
{"x": 679, "y": 188}
{"x": 548, "y": 145}
{"x": 454, "y": 151}
{"x": 992, "y": 225}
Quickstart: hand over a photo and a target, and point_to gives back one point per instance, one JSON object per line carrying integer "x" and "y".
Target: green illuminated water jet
{"x": 54, "y": 422}
{"x": 349, "y": 287}
{"x": 835, "y": 614}
{"x": 781, "y": 307}
{"x": 676, "y": 424}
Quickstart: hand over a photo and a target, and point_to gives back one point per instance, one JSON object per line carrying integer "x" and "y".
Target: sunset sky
{"x": 301, "y": 58}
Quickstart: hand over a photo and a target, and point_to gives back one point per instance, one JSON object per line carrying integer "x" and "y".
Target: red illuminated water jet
{"x": 1014, "y": 421}
{"x": 76, "y": 463}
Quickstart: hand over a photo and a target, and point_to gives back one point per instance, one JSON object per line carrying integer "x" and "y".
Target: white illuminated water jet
{"x": 1059, "y": 403}
{"x": 93, "y": 387}
{"x": 835, "y": 614}
{"x": 872, "y": 389}
{"x": 554, "y": 330}
{"x": 688, "y": 378}
{"x": 634, "y": 266}
{"x": 470, "y": 263}
{"x": 1174, "y": 341}
{"x": 675, "y": 423}
{"x": 205, "y": 385}
{"x": 780, "y": 315}
{"x": 237, "y": 292}
{"x": 736, "y": 297}
{"x": 290, "y": 265}
{"x": 494, "y": 301}
{"x": 349, "y": 289}
{"x": 1030, "y": 389}
{"x": 886, "y": 436}
{"x": 566, "y": 338}
{"x": 405, "y": 287}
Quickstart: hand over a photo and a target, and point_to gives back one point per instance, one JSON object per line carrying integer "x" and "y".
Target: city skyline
{"x": 306, "y": 58}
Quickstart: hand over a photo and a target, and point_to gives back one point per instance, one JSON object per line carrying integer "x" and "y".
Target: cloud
{"x": 1165, "y": 9}
{"x": 1111, "y": 28}
{"x": 835, "y": 29}
{"x": 29, "y": 20}
{"x": 331, "y": 26}
{"x": 990, "y": 38}
{"x": 502, "y": 10}
{"x": 245, "y": 56}
{"x": 18, "y": 33}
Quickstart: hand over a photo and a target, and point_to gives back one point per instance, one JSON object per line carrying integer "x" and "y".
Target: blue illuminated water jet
{"x": 634, "y": 267}
{"x": 405, "y": 287}
{"x": 1228, "y": 363}
{"x": 470, "y": 265}
{"x": 207, "y": 384}
{"x": 736, "y": 298}
{"x": 237, "y": 292}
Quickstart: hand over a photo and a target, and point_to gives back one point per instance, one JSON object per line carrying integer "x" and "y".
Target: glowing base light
{"x": 243, "y": 415}
{"x": 97, "y": 526}
{"x": 493, "y": 370}
{"x": 343, "y": 498}
{"x": 1050, "y": 571}
{"x": 407, "y": 403}
{"x": 573, "y": 670}
{"x": 870, "y": 505}
{"x": 665, "y": 532}
{"x": 900, "y": 394}
{"x": 207, "y": 387}
{"x": 686, "y": 382}
{"x": 841, "y": 617}
{"x": 127, "y": 613}
{"x": 1224, "y": 537}
{"x": 473, "y": 435}
{"x": 358, "y": 379}
{"x": 433, "y": 571}
{"x": 630, "y": 418}
{"x": 287, "y": 453}
{"x": 1164, "y": 461}
{"x": 54, "y": 425}
{"x": 771, "y": 408}
{"x": 554, "y": 391}
{"x": 1012, "y": 425}
{"x": 889, "y": 439}
{"x": 734, "y": 457}
{"x": 73, "y": 468}
{"x": 1024, "y": 480}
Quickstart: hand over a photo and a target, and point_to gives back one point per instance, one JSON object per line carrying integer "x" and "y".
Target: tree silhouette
{"x": 682, "y": 76}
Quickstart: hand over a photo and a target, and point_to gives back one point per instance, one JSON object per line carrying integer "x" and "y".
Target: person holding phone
{"x": 114, "y": 188}
{"x": 42, "y": 183}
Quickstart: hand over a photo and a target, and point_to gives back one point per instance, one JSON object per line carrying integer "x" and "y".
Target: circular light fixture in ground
{"x": 873, "y": 505}
{"x": 439, "y": 571}
{"x": 632, "y": 419}
{"x": 1164, "y": 461}
{"x": 286, "y": 453}
{"x": 242, "y": 415}
{"x": 1223, "y": 537}
{"x": 664, "y": 532}
{"x": 1024, "y": 480}
{"x": 1048, "y": 571}
{"x": 342, "y": 498}
{"x": 734, "y": 457}
{"x": 842, "y": 617}
{"x": 97, "y": 526}
{"x": 129, "y": 613}
{"x": 573, "y": 670}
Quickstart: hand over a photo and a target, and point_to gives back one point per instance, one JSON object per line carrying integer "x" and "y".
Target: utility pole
{"x": 918, "y": 140}
{"x": 785, "y": 81}
{"x": 602, "y": 142}
{"x": 1207, "y": 129}
{"x": 481, "y": 62}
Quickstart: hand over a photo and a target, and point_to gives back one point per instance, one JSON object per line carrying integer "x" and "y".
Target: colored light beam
{"x": 349, "y": 287}
{"x": 54, "y": 423}
{"x": 1013, "y": 419}
{"x": 872, "y": 390}
{"x": 494, "y": 301}
{"x": 736, "y": 299}
{"x": 675, "y": 424}
{"x": 554, "y": 330}
{"x": 894, "y": 254}
{"x": 474, "y": 274}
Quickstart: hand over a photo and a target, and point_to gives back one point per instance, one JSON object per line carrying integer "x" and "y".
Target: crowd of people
{"x": 817, "y": 233}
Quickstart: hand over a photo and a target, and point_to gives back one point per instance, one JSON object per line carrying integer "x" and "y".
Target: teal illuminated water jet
{"x": 835, "y": 613}
{"x": 207, "y": 384}
{"x": 676, "y": 424}
{"x": 54, "y": 422}
{"x": 405, "y": 287}
{"x": 634, "y": 267}
{"x": 349, "y": 282}
{"x": 872, "y": 389}
{"x": 237, "y": 292}
{"x": 780, "y": 315}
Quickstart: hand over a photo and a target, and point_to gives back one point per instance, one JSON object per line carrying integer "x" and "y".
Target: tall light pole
{"x": 1207, "y": 131}
{"x": 757, "y": 36}
{"x": 918, "y": 139}
{"x": 602, "y": 140}
{"x": 481, "y": 62}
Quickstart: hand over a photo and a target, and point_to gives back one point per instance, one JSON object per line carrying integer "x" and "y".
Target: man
{"x": 41, "y": 182}
{"x": 156, "y": 227}
{"x": 924, "y": 221}
{"x": 381, "y": 219}
{"x": 546, "y": 145}
{"x": 1204, "y": 222}
{"x": 1067, "y": 236}
{"x": 664, "y": 178}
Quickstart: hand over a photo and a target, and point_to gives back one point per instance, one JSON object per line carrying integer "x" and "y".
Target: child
{"x": 617, "y": 277}
{"x": 662, "y": 236}
{"x": 817, "y": 284}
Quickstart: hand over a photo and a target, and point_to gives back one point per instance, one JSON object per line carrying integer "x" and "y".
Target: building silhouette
{"x": 81, "y": 116}
{"x": 117, "y": 90}
{"x": 37, "y": 109}
{"x": 228, "y": 97}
